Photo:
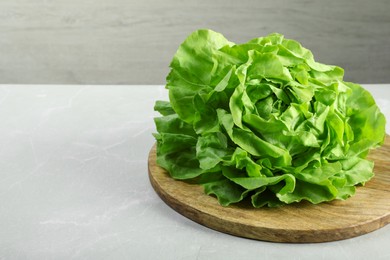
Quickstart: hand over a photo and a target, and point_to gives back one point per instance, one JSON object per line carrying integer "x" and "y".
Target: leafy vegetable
{"x": 263, "y": 120}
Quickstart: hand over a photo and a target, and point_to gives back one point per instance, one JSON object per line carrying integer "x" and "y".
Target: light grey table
{"x": 74, "y": 184}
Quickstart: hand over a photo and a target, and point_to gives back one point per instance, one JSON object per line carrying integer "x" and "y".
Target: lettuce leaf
{"x": 264, "y": 121}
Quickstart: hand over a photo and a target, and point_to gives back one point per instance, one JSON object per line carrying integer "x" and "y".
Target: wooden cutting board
{"x": 366, "y": 211}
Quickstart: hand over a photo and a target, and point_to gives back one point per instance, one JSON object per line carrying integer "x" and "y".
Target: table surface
{"x": 74, "y": 183}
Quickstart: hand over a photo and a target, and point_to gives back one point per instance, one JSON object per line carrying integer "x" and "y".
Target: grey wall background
{"x": 132, "y": 41}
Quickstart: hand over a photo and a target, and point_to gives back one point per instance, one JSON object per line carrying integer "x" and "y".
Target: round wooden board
{"x": 366, "y": 211}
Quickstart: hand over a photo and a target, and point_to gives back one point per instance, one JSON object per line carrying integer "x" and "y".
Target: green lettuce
{"x": 264, "y": 121}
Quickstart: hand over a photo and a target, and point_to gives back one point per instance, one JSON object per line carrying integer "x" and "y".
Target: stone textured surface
{"x": 133, "y": 41}
{"x": 74, "y": 184}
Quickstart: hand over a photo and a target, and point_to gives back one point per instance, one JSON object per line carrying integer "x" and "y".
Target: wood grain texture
{"x": 366, "y": 211}
{"x": 133, "y": 41}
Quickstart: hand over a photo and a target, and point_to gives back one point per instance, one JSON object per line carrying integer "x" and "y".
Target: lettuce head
{"x": 263, "y": 121}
